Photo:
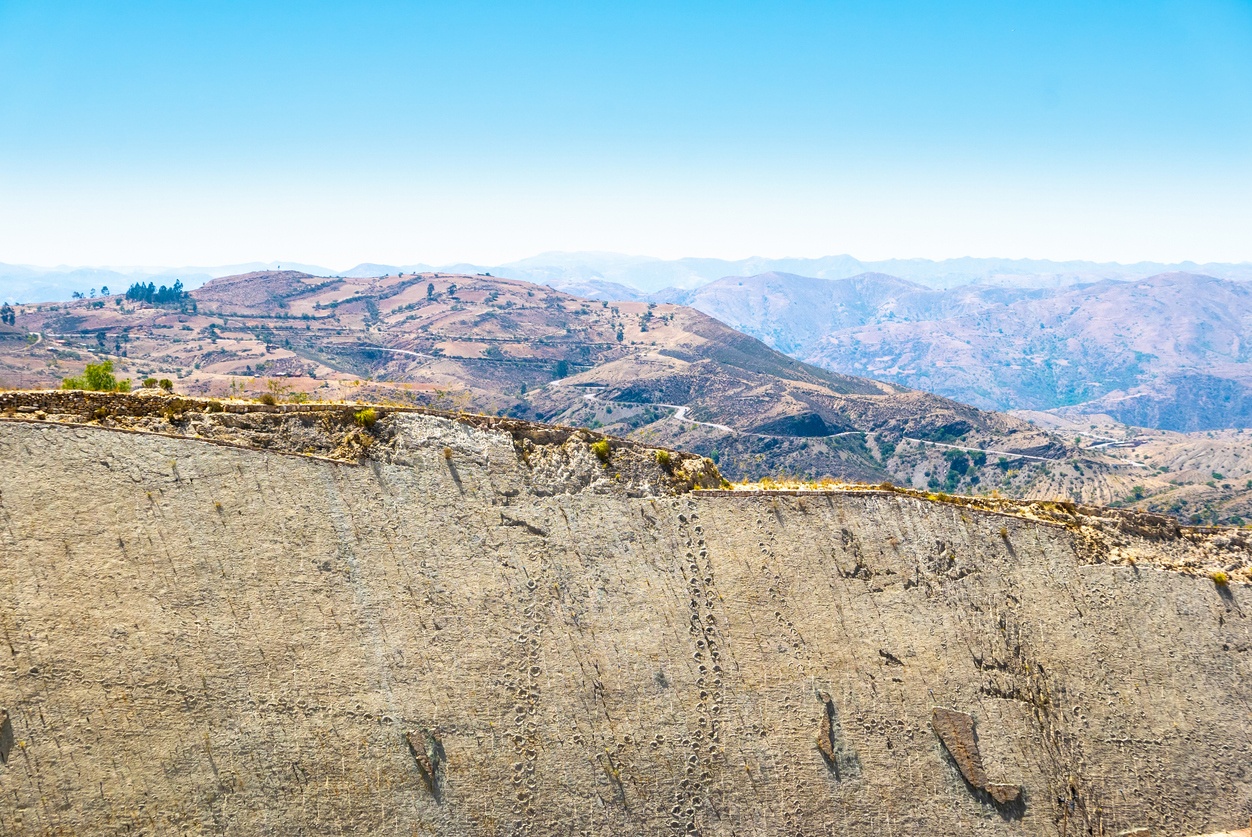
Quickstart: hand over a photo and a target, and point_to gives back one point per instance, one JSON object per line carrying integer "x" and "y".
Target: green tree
{"x": 97, "y": 377}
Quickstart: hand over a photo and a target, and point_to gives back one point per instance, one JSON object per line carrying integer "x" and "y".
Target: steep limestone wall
{"x": 475, "y": 638}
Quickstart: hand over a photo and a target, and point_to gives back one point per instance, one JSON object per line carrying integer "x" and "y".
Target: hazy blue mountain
{"x": 667, "y": 278}
{"x": 1172, "y": 351}
{"x": 618, "y": 276}
{"x": 791, "y": 313}
{"x": 26, "y": 283}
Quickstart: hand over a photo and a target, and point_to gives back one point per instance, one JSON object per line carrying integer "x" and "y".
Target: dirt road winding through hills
{"x": 681, "y": 413}
{"x": 984, "y": 450}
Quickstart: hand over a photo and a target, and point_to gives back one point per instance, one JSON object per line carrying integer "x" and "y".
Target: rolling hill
{"x": 662, "y": 373}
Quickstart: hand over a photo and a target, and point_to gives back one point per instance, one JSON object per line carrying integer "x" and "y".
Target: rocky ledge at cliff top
{"x": 231, "y": 618}
{"x": 358, "y": 433}
{"x": 561, "y": 459}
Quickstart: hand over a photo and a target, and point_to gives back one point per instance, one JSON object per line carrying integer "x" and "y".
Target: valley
{"x": 1168, "y": 351}
{"x": 658, "y": 372}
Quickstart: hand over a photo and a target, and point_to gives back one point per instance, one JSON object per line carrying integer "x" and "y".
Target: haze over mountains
{"x": 617, "y": 276}
{"x": 1170, "y": 351}
{"x": 1162, "y": 346}
{"x": 662, "y": 373}
{"x": 499, "y": 346}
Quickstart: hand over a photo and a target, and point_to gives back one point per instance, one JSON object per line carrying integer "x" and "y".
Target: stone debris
{"x": 956, "y": 731}
{"x": 427, "y": 751}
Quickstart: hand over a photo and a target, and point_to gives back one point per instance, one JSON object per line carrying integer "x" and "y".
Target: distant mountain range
{"x": 1171, "y": 351}
{"x": 1154, "y": 345}
{"x": 665, "y": 373}
{"x": 673, "y": 376}
{"x": 614, "y": 276}
{"x": 27, "y": 283}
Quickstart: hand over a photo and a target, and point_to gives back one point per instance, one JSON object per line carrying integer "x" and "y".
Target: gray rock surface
{"x": 469, "y": 636}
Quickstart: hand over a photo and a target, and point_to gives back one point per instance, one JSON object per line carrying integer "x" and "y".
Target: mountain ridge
{"x": 1119, "y": 347}
{"x": 656, "y": 373}
{"x": 604, "y": 274}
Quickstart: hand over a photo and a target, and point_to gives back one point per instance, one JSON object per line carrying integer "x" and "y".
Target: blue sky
{"x": 205, "y": 133}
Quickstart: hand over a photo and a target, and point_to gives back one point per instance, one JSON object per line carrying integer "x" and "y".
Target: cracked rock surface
{"x": 484, "y": 631}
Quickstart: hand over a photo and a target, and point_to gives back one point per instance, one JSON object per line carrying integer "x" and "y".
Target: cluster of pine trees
{"x": 151, "y": 294}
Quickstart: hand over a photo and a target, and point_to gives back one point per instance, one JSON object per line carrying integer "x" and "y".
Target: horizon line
{"x": 63, "y": 267}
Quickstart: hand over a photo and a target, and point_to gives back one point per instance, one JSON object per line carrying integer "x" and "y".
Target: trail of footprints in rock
{"x": 799, "y": 652}
{"x": 524, "y": 687}
{"x": 704, "y": 742}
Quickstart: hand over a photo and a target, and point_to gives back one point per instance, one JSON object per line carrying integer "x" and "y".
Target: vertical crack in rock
{"x": 427, "y": 750}
{"x": 956, "y": 731}
{"x": 6, "y": 736}
{"x": 841, "y": 759}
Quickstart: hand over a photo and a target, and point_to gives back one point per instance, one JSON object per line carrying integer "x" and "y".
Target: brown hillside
{"x": 664, "y": 374}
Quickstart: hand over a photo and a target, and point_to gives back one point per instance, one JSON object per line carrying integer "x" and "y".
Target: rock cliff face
{"x": 475, "y": 628}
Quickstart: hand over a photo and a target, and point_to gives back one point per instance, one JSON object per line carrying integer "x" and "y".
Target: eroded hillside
{"x": 1168, "y": 351}
{"x": 662, "y": 374}
{"x": 238, "y": 621}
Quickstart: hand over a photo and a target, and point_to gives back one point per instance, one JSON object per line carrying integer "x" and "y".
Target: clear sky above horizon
{"x": 333, "y": 133}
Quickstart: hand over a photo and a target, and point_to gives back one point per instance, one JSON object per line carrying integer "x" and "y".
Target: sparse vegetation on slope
{"x": 97, "y": 377}
{"x": 525, "y": 351}
{"x": 1165, "y": 351}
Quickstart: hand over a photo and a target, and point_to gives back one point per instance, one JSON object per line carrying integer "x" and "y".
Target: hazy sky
{"x": 333, "y": 133}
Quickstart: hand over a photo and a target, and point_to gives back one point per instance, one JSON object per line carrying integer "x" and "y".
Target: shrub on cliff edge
{"x": 97, "y": 377}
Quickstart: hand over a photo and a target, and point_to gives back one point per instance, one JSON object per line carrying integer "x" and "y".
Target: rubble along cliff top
{"x": 356, "y": 433}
